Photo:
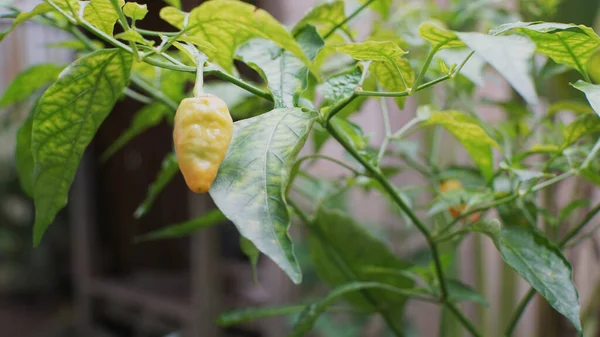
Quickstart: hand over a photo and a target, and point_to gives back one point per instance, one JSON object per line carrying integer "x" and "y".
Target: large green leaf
{"x": 510, "y": 56}
{"x": 67, "y": 117}
{"x": 24, "y": 156}
{"x": 439, "y": 38}
{"x": 338, "y": 262}
{"x": 542, "y": 265}
{"x": 168, "y": 170}
{"x": 149, "y": 116}
{"x": 568, "y": 44}
{"x": 27, "y": 82}
{"x": 102, "y": 14}
{"x": 471, "y": 135}
{"x": 286, "y": 75}
{"x": 226, "y": 24}
{"x": 249, "y": 188}
{"x": 186, "y": 228}
{"x": 583, "y": 126}
{"x": 592, "y": 92}
{"x": 325, "y": 17}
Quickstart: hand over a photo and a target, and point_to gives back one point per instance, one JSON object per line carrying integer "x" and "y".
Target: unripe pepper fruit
{"x": 453, "y": 185}
{"x": 202, "y": 132}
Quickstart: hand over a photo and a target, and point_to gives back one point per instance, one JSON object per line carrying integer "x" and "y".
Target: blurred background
{"x": 89, "y": 278}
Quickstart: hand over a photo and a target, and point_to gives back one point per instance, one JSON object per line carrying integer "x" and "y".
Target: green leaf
{"x": 337, "y": 262}
{"x": 385, "y": 51}
{"x": 133, "y": 36}
{"x": 41, "y": 8}
{"x": 168, "y": 170}
{"x": 226, "y": 24}
{"x": 149, "y": 116}
{"x": 381, "y": 6}
{"x": 311, "y": 312}
{"x": 439, "y": 38}
{"x": 471, "y": 135}
{"x": 27, "y": 82}
{"x": 592, "y": 92}
{"x": 253, "y": 254}
{"x": 251, "y": 180}
{"x": 135, "y": 11}
{"x": 568, "y": 44}
{"x": 571, "y": 207}
{"x": 459, "y": 292}
{"x": 186, "y": 228}
{"x": 583, "y": 126}
{"x": 203, "y": 45}
{"x": 286, "y": 75}
{"x": 510, "y": 56}
{"x": 250, "y": 314}
{"x": 525, "y": 175}
{"x": 325, "y": 17}
{"x": 341, "y": 86}
{"x": 386, "y": 74}
{"x": 102, "y": 15}
{"x": 67, "y": 117}
{"x": 174, "y": 3}
{"x": 351, "y": 132}
{"x": 571, "y": 105}
{"x": 542, "y": 265}
{"x": 24, "y": 156}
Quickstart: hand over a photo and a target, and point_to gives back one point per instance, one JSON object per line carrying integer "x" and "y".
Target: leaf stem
{"x": 340, "y": 105}
{"x": 154, "y": 33}
{"x": 153, "y": 92}
{"x": 126, "y": 27}
{"x": 347, "y": 19}
{"x": 463, "y": 319}
{"x": 333, "y": 160}
{"x": 428, "y": 60}
{"x": 385, "y": 115}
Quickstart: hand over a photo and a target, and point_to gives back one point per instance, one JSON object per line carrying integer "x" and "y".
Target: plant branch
{"x": 126, "y": 27}
{"x": 377, "y": 175}
{"x": 428, "y": 60}
{"x": 347, "y": 19}
{"x": 153, "y": 92}
{"x": 463, "y": 319}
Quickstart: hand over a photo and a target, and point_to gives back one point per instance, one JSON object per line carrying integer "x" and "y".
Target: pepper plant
{"x": 315, "y": 75}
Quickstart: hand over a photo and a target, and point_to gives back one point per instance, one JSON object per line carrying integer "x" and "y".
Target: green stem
{"x": 137, "y": 96}
{"x": 398, "y": 134}
{"x": 153, "y": 92}
{"x": 519, "y": 312}
{"x": 589, "y": 216}
{"x": 381, "y": 93}
{"x": 333, "y": 160}
{"x": 126, "y": 27}
{"x": 154, "y": 33}
{"x": 462, "y": 64}
{"x": 425, "y": 67}
{"x": 385, "y": 115}
{"x": 340, "y": 105}
{"x": 552, "y": 181}
{"x": 591, "y": 155}
{"x": 463, "y": 319}
{"x": 347, "y": 19}
{"x": 377, "y": 175}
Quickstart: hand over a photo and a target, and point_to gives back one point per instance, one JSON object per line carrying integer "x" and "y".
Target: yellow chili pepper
{"x": 202, "y": 133}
